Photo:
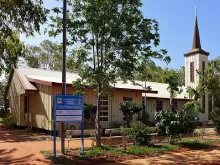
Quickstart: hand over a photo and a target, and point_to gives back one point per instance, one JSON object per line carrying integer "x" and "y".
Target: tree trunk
{"x": 97, "y": 119}
{"x": 171, "y": 103}
{"x": 213, "y": 102}
{"x": 126, "y": 118}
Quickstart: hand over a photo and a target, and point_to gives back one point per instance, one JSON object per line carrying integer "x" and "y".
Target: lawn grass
{"x": 141, "y": 150}
{"x": 194, "y": 143}
{"x": 117, "y": 151}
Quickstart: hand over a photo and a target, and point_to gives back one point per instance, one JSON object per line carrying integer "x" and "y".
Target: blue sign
{"x": 68, "y": 109}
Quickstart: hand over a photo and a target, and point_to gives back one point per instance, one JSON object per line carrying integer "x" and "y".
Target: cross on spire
{"x": 196, "y": 45}
{"x": 196, "y": 10}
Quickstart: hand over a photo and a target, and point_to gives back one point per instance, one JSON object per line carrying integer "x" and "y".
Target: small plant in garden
{"x": 137, "y": 133}
{"x": 129, "y": 109}
{"x": 173, "y": 124}
{"x": 93, "y": 139}
{"x": 215, "y": 116}
{"x": 50, "y": 123}
{"x": 9, "y": 121}
{"x": 145, "y": 118}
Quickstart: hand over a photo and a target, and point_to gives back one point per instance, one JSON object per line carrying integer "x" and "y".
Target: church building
{"x": 30, "y": 93}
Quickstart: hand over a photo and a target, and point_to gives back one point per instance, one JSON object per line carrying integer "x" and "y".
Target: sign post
{"x": 68, "y": 109}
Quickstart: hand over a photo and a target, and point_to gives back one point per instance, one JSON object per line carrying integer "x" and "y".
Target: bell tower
{"x": 196, "y": 59}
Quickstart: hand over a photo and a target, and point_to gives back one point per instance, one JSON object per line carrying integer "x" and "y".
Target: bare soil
{"x": 20, "y": 147}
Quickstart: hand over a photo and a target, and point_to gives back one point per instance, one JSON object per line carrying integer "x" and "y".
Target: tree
{"x": 207, "y": 82}
{"x": 2, "y": 91}
{"x": 172, "y": 78}
{"x": 32, "y": 56}
{"x": 47, "y": 55}
{"x": 129, "y": 109}
{"x": 24, "y": 16}
{"x": 214, "y": 85}
{"x": 10, "y": 49}
{"x": 154, "y": 73}
{"x": 51, "y": 57}
{"x": 109, "y": 37}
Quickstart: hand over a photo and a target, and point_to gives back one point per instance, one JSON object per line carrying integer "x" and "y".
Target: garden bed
{"x": 110, "y": 152}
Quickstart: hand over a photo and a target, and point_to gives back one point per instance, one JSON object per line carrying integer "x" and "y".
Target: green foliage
{"x": 10, "y": 121}
{"x": 172, "y": 78}
{"x": 194, "y": 105}
{"x": 150, "y": 72}
{"x": 215, "y": 117}
{"x": 196, "y": 144}
{"x": 129, "y": 109}
{"x": 89, "y": 110}
{"x": 144, "y": 117}
{"x": 48, "y": 55}
{"x": 109, "y": 39}
{"x": 10, "y": 49}
{"x": 141, "y": 150}
{"x": 24, "y": 16}
{"x": 173, "y": 124}
{"x": 2, "y": 94}
{"x": 208, "y": 82}
{"x": 138, "y": 133}
{"x": 79, "y": 87}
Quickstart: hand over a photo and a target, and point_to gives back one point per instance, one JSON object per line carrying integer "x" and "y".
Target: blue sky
{"x": 176, "y": 23}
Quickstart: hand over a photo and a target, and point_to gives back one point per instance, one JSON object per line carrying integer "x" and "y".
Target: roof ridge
{"x": 45, "y": 70}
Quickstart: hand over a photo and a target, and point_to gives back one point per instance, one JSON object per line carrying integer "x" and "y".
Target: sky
{"x": 176, "y": 24}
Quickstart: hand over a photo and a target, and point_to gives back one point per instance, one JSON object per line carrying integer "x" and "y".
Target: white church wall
{"x": 151, "y": 105}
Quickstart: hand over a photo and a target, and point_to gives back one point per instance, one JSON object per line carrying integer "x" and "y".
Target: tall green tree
{"x": 32, "y": 56}
{"x": 51, "y": 56}
{"x": 172, "y": 78}
{"x": 23, "y": 16}
{"x": 48, "y": 55}
{"x": 207, "y": 82}
{"x": 214, "y": 85}
{"x": 156, "y": 73}
{"x": 17, "y": 16}
{"x": 109, "y": 37}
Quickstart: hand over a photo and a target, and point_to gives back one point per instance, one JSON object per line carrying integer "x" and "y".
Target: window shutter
{"x": 192, "y": 71}
{"x": 203, "y": 101}
{"x": 203, "y": 68}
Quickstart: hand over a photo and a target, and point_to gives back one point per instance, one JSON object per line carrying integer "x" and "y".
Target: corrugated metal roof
{"x": 56, "y": 77}
{"x": 47, "y": 75}
{"x": 25, "y": 83}
{"x": 162, "y": 91}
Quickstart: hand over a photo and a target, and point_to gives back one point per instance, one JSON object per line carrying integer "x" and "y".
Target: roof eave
{"x": 193, "y": 52}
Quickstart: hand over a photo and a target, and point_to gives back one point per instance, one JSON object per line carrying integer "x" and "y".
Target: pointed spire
{"x": 196, "y": 45}
{"x": 196, "y": 38}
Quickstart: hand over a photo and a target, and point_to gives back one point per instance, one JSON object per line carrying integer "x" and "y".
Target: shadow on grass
{"x": 75, "y": 160}
{"x": 195, "y": 144}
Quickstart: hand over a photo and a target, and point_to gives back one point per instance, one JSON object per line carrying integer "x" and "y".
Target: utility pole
{"x": 63, "y": 73}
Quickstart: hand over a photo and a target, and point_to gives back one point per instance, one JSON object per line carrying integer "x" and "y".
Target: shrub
{"x": 129, "y": 109}
{"x": 89, "y": 110}
{"x": 215, "y": 117}
{"x": 144, "y": 117}
{"x": 9, "y": 122}
{"x": 137, "y": 133}
{"x": 173, "y": 124}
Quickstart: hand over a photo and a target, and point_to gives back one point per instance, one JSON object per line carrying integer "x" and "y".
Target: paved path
{"x": 19, "y": 152}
